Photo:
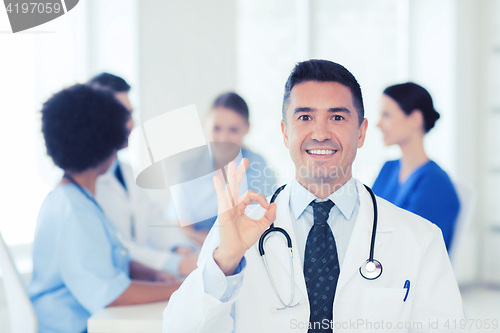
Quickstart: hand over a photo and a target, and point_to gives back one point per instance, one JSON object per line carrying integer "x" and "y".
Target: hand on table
{"x": 183, "y": 250}
{"x": 198, "y": 236}
{"x": 188, "y": 264}
{"x": 162, "y": 276}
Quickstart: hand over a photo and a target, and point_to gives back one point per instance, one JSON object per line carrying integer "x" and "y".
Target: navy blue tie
{"x": 321, "y": 268}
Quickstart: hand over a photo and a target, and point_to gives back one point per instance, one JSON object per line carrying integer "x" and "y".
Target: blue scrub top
{"x": 427, "y": 192}
{"x": 79, "y": 265}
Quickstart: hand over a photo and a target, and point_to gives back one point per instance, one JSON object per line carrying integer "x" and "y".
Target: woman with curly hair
{"x": 79, "y": 262}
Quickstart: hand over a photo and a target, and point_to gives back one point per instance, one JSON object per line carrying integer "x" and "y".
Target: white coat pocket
{"x": 383, "y": 304}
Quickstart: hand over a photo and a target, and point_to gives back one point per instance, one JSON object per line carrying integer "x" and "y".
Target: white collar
{"x": 344, "y": 198}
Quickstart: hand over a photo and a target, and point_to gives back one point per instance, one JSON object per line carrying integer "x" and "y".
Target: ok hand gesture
{"x": 238, "y": 232}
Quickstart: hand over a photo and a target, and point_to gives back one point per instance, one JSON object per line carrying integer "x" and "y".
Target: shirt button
{"x": 124, "y": 253}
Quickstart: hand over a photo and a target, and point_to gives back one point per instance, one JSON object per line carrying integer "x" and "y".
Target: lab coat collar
{"x": 344, "y": 198}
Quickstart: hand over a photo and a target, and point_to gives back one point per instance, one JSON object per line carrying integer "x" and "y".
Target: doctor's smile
{"x": 320, "y": 152}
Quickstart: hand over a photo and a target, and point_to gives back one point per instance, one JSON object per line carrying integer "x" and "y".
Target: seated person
{"x": 79, "y": 263}
{"x": 227, "y": 121}
{"x": 132, "y": 211}
{"x": 414, "y": 182}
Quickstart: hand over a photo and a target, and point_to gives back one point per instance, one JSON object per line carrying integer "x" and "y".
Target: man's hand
{"x": 238, "y": 232}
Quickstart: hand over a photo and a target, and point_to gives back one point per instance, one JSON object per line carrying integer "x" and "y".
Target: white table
{"x": 143, "y": 318}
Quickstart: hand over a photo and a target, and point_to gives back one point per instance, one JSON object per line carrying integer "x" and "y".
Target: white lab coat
{"x": 408, "y": 247}
{"x": 154, "y": 236}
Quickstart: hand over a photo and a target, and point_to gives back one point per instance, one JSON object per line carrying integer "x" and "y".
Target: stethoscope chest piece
{"x": 371, "y": 269}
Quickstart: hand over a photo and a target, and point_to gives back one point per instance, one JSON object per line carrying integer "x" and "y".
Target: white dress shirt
{"x": 341, "y": 219}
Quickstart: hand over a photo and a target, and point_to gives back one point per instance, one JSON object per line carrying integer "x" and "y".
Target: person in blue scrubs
{"x": 79, "y": 262}
{"x": 227, "y": 121}
{"x": 414, "y": 182}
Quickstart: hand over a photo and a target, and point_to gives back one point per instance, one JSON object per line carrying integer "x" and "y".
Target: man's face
{"x": 322, "y": 132}
{"x": 123, "y": 98}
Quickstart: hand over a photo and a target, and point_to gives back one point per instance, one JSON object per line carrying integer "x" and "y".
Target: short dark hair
{"x": 324, "y": 71}
{"x": 233, "y": 101}
{"x": 110, "y": 81}
{"x": 410, "y": 97}
{"x": 83, "y": 126}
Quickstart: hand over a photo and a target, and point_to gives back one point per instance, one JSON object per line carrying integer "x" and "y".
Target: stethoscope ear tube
{"x": 262, "y": 242}
{"x": 372, "y": 268}
{"x": 272, "y": 228}
{"x": 278, "y": 190}
{"x": 375, "y": 220}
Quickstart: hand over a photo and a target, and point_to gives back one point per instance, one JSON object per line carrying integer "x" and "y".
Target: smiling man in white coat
{"x": 329, "y": 217}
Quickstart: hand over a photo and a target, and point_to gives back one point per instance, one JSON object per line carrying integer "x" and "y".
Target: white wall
{"x": 432, "y": 58}
{"x": 112, "y": 38}
{"x": 187, "y": 56}
{"x": 33, "y": 64}
{"x": 112, "y": 45}
{"x": 455, "y": 52}
{"x": 266, "y": 53}
{"x": 187, "y": 53}
{"x": 467, "y": 100}
{"x": 488, "y": 117}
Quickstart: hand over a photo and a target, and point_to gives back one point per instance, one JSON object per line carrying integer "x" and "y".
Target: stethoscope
{"x": 118, "y": 235}
{"x": 370, "y": 270}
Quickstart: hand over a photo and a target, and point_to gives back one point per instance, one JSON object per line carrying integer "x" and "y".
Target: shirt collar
{"x": 344, "y": 198}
